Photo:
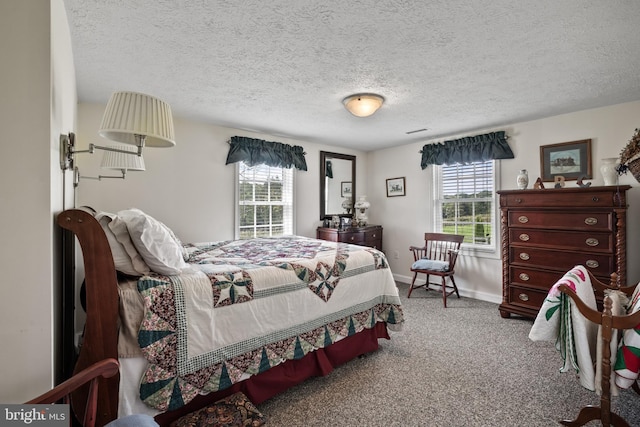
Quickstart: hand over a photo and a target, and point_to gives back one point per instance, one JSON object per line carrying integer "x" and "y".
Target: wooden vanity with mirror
{"x": 337, "y": 184}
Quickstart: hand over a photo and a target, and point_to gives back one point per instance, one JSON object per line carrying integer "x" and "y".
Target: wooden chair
{"x": 90, "y": 376}
{"x": 603, "y": 413}
{"x": 438, "y": 258}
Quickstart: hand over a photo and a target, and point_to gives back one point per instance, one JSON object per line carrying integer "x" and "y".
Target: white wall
{"x": 191, "y": 190}
{"x": 37, "y": 100}
{"x": 405, "y": 219}
{"x": 189, "y": 187}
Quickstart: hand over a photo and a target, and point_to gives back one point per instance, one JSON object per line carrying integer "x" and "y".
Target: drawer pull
{"x": 518, "y": 200}
{"x": 524, "y": 277}
{"x": 592, "y": 263}
{"x": 352, "y": 238}
{"x": 591, "y": 221}
{"x": 595, "y": 199}
{"x": 591, "y": 241}
{"x": 524, "y": 256}
{"x": 523, "y": 219}
{"x": 523, "y": 297}
{"x": 374, "y": 236}
{"x": 524, "y": 237}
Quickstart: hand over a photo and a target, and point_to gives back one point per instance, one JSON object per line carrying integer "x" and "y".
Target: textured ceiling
{"x": 282, "y": 67}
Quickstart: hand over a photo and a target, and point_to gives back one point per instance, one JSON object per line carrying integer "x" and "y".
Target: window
{"x": 465, "y": 201}
{"x": 265, "y": 201}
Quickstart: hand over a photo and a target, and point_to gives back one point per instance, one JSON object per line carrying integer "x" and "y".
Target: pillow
{"x": 119, "y": 229}
{"x": 233, "y": 411}
{"x": 121, "y": 258}
{"x": 428, "y": 264}
{"x": 154, "y": 243}
{"x": 185, "y": 253}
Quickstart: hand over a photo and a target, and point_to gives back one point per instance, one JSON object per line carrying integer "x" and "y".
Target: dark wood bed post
{"x": 101, "y": 327}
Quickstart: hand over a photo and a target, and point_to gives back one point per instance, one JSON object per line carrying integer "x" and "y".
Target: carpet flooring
{"x": 460, "y": 366}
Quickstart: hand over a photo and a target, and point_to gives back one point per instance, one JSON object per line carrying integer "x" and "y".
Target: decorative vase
{"x": 523, "y": 179}
{"x": 608, "y": 170}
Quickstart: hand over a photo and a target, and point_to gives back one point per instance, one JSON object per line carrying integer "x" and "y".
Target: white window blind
{"x": 265, "y": 201}
{"x": 465, "y": 201}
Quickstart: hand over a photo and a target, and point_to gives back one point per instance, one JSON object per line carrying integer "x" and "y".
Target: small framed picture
{"x": 395, "y": 187}
{"x": 570, "y": 160}
{"x": 345, "y": 189}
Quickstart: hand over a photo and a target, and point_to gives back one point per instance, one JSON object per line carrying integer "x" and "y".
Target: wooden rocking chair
{"x": 90, "y": 376}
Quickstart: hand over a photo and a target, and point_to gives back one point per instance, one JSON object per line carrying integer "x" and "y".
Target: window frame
{"x": 290, "y": 204}
{"x": 438, "y": 182}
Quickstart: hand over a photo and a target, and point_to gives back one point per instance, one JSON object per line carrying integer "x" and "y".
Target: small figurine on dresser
{"x": 581, "y": 183}
{"x": 558, "y": 181}
{"x": 538, "y": 185}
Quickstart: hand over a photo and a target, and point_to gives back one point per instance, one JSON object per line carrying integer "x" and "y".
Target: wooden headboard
{"x": 101, "y": 327}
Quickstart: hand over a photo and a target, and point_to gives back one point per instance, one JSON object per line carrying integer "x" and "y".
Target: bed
{"x": 193, "y": 323}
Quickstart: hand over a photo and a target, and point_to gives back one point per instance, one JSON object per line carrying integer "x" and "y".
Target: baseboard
{"x": 482, "y": 296}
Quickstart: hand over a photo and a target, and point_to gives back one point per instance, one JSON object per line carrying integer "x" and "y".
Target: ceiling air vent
{"x": 416, "y": 131}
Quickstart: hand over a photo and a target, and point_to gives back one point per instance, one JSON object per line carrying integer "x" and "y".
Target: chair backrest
{"x": 103, "y": 369}
{"x": 438, "y": 246}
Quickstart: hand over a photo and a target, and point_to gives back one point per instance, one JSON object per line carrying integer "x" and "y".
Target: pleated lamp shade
{"x": 130, "y": 116}
{"x": 122, "y": 161}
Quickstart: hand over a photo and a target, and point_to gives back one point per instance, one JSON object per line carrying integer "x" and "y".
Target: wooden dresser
{"x": 370, "y": 235}
{"x": 544, "y": 233}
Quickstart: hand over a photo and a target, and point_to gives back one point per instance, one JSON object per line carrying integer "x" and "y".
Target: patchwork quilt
{"x": 246, "y": 306}
{"x": 579, "y": 340}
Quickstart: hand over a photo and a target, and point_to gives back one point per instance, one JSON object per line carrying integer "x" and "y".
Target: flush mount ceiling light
{"x": 363, "y": 104}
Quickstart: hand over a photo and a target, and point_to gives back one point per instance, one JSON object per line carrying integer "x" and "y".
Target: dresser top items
{"x": 614, "y": 196}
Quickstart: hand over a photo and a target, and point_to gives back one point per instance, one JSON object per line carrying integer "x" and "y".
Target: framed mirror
{"x": 337, "y": 183}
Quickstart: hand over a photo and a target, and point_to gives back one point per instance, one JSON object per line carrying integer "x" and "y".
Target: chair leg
{"x": 455, "y": 287}
{"x": 412, "y": 282}
{"x": 444, "y": 291}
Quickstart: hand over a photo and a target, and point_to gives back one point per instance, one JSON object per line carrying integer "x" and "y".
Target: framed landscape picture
{"x": 345, "y": 189}
{"x": 395, "y": 187}
{"x": 571, "y": 160}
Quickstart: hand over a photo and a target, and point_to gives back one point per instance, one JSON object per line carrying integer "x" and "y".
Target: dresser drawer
{"x": 373, "y": 234}
{"x": 573, "y": 240}
{"x": 591, "y": 221}
{"x": 376, "y": 244}
{"x": 356, "y": 238}
{"x": 525, "y": 297}
{"x": 539, "y": 279}
{"x": 559, "y": 199}
{"x": 599, "y": 264}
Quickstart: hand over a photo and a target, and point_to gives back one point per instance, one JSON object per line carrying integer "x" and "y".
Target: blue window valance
{"x": 257, "y": 151}
{"x": 479, "y": 148}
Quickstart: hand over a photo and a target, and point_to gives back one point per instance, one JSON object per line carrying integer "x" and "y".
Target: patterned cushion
{"x": 233, "y": 411}
{"x": 428, "y": 264}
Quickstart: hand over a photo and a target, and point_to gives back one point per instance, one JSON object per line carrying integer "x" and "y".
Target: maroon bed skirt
{"x": 265, "y": 385}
